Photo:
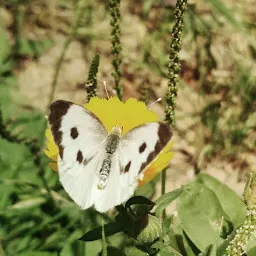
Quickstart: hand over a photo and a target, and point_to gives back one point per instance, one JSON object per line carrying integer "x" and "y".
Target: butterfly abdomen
{"x": 111, "y": 146}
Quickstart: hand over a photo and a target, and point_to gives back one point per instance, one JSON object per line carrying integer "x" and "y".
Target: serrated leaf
{"x": 163, "y": 201}
{"x": 199, "y": 209}
{"x": 231, "y": 203}
{"x": 110, "y": 229}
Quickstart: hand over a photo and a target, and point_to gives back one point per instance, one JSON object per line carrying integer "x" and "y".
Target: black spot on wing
{"x": 164, "y": 136}
{"x": 79, "y": 157}
{"x": 74, "y": 133}
{"x": 142, "y": 147}
{"x": 127, "y": 167}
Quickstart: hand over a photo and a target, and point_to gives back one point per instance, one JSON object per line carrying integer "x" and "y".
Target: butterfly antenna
{"x": 159, "y": 99}
{"x": 105, "y": 87}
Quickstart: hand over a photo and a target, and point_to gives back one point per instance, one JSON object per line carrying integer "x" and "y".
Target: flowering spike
{"x": 237, "y": 246}
{"x": 116, "y": 45}
{"x": 91, "y": 86}
{"x": 174, "y": 62}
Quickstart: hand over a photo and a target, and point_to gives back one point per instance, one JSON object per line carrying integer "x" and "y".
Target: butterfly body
{"x": 100, "y": 168}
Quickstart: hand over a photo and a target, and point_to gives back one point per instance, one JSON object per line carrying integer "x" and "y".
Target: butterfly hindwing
{"x": 81, "y": 138}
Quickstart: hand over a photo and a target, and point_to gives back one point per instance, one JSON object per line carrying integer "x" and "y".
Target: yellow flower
{"x": 128, "y": 115}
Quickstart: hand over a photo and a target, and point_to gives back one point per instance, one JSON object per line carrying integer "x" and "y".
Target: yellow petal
{"x": 54, "y": 166}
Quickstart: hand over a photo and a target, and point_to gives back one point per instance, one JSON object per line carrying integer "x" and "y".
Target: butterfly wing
{"x": 81, "y": 139}
{"x": 114, "y": 194}
{"x": 137, "y": 149}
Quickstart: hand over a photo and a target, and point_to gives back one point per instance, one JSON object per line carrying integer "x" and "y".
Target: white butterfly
{"x": 97, "y": 168}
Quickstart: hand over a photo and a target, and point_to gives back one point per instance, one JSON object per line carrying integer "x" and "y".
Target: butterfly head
{"x": 117, "y": 130}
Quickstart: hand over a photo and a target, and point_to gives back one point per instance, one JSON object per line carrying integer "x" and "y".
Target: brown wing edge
{"x": 164, "y": 136}
{"x": 58, "y": 109}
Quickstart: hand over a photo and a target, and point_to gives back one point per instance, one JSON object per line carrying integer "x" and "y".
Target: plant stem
{"x": 173, "y": 73}
{"x": 163, "y": 186}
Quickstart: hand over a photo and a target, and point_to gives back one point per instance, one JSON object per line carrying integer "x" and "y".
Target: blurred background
{"x": 215, "y": 116}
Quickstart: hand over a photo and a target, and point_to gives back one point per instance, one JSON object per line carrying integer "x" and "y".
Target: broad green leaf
{"x": 200, "y": 213}
{"x": 231, "y": 203}
{"x": 110, "y": 229}
{"x": 163, "y": 201}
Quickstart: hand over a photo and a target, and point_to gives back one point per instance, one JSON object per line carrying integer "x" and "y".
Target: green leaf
{"x": 110, "y": 229}
{"x": 200, "y": 213}
{"x": 139, "y": 200}
{"x": 112, "y": 251}
{"x": 134, "y": 251}
{"x": 252, "y": 251}
{"x": 168, "y": 251}
{"x": 5, "y": 49}
{"x": 148, "y": 189}
{"x": 227, "y": 13}
{"x": 163, "y": 201}
{"x": 207, "y": 251}
{"x": 166, "y": 226}
{"x": 37, "y": 253}
{"x": 221, "y": 250}
{"x": 231, "y": 203}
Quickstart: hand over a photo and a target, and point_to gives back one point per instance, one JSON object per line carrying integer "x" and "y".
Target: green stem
{"x": 163, "y": 186}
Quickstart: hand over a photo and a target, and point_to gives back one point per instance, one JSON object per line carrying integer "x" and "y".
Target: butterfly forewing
{"x": 139, "y": 147}
{"x": 81, "y": 138}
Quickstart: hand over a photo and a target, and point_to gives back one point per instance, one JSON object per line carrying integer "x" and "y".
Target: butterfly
{"x": 100, "y": 168}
